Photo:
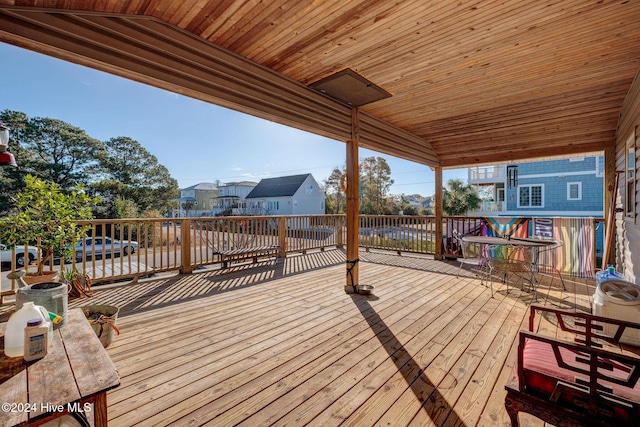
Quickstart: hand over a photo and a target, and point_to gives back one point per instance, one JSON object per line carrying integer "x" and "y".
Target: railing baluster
{"x": 201, "y": 243}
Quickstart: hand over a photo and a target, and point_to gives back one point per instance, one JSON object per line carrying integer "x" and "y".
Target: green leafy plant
{"x": 79, "y": 283}
{"x": 68, "y": 274}
{"x": 47, "y": 217}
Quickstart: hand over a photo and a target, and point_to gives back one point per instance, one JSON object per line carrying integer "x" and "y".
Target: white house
{"x": 196, "y": 200}
{"x": 287, "y": 195}
{"x": 231, "y": 196}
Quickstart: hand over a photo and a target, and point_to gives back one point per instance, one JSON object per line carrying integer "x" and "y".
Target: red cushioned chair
{"x": 575, "y": 384}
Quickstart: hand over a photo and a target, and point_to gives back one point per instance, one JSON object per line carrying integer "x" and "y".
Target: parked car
{"x": 21, "y": 261}
{"x": 98, "y": 246}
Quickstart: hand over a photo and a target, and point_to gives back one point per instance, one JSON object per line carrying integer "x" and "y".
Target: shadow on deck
{"x": 280, "y": 343}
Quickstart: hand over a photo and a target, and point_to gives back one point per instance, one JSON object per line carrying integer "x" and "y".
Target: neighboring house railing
{"x": 142, "y": 247}
{"x": 490, "y": 206}
{"x": 481, "y": 173}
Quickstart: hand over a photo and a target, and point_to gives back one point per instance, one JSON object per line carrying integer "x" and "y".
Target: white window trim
{"x": 569, "y": 184}
{"x": 529, "y": 205}
{"x": 599, "y": 170}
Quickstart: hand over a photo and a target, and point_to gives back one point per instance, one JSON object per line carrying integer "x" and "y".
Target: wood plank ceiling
{"x": 471, "y": 82}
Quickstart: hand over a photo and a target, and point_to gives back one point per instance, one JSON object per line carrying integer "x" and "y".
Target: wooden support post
{"x": 283, "y": 231}
{"x": 610, "y": 186}
{"x": 438, "y": 212}
{"x": 353, "y": 205}
{"x": 185, "y": 246}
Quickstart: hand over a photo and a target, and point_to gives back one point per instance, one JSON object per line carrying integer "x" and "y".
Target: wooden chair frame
{"x": 590, "y": 402}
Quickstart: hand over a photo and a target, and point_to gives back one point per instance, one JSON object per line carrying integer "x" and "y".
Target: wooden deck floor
{"x": 280, "y": 343}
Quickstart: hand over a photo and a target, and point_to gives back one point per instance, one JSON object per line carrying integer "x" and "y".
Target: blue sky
{"x": 195, "y": 141}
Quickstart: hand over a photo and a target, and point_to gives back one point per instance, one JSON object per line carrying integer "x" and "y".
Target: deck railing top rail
{"x": 117, "y": 249}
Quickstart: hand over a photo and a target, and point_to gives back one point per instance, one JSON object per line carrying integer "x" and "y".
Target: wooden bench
{"x": 590, "y": 382}
{"x": 253, "y": 252}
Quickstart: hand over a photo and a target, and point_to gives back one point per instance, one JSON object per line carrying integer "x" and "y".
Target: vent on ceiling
{"x": 350, "y": 88}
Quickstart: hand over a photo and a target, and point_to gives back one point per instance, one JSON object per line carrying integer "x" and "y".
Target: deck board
{"x": 280, "y": 343}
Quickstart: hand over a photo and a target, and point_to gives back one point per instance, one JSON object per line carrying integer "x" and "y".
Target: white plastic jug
{"x": 14, "y": 332}
{"x": 609, "y": 274}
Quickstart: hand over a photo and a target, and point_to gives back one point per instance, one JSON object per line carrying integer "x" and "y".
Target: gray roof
{"x": 240, "y": 183}
{"x": 277, "y": 187}
{"x": 202, "y": 186}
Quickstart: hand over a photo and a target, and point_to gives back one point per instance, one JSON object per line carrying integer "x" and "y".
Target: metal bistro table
{"x": 73, "y": 378}
{"x": 514, "y": 241}
{"x": 528, "y": 265}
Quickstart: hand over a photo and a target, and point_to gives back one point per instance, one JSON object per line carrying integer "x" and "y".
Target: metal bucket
{"x": 51, "y": 295}
{"x": 103, "y": 321}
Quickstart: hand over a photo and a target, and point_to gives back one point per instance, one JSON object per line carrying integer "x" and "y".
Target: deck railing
{"x": 398, "y": 233}
{"x": 150, "y": 246}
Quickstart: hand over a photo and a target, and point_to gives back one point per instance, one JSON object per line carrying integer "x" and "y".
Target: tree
{"x": 393, "y": 205}
{"x": 132, "y": 173}
{"x": 123, "y": 208}
{"x": 375, "y": 181}
{"x": 404, "y": 204}
{"x": 12, "y": 179}
{"x": 46, "y": 216}
{"x": 62, "y": 153}
{"x": 335, "y": 197}
{"x": 459, "y": 198}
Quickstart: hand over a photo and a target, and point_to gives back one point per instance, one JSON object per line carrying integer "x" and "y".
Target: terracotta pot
{"x": 47, "y": 276}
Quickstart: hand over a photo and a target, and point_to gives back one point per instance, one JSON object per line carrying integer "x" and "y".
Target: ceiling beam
{"x": 149, "y": 51}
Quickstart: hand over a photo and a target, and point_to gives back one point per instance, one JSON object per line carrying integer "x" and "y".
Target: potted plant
{"x": 47, "y": 217}
{"x": 79, "y": 283}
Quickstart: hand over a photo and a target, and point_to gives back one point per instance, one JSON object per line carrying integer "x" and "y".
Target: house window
{"x": 274, "y": 206}
{"x": 309, "y": 189}
{"x": 530, "y": 196}
{"x": 574, "y": 191}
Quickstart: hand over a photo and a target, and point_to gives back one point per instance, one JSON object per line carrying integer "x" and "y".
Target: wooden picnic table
{"x": 73, "y": 378}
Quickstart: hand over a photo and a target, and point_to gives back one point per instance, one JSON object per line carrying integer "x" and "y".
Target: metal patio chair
{"x": 545, "y": 259}
{"x": 473, "y": 256}
{"x": 511, "y": 259}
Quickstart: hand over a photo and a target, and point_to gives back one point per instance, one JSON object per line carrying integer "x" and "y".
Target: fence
{"x": 128, "y": 248}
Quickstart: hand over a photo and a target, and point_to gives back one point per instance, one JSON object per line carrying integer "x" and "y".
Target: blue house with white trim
{"x": 571, "y": 187}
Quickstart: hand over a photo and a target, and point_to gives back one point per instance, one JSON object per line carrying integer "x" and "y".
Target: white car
{"x": 32, "y": 255}
{"x": 97, "y": 246}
